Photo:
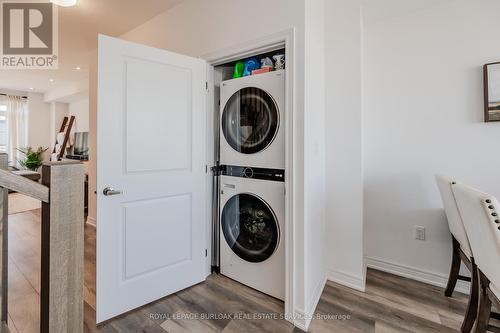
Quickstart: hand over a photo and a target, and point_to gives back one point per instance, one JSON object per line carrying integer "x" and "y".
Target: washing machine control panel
{"x": 254, "y": 173}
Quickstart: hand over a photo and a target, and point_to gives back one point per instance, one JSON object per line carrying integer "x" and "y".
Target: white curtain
{"x": 17, "y": 125}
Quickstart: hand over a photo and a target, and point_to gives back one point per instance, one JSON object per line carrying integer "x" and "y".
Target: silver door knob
{"x": 110, "y": 191}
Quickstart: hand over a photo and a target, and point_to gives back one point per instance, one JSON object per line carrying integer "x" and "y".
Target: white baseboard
{"x": 346, "y": 279}
{"x": 417, "y": 274}
{"x": 300, "y": 321}
{"x": 91, "y": 222}
{"x": 303, "y": 319}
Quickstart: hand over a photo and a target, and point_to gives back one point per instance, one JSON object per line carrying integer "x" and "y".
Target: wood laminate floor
{"x": 390, "y": 303}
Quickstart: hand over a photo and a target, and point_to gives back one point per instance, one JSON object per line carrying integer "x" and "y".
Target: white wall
{"x": 72, "y": 90}
{"x": 344, "y": 179}
{"x": 424, "y": 115}
{"x": 39, "y": 134}
{"x": 80, "y": 109}
{"x": 38, "y": 121}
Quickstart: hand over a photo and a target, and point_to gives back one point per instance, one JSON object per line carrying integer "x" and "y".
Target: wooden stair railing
{"x": 62, "y": 241}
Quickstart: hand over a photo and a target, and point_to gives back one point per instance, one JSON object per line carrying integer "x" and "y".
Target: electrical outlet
{"x": 419, "y": 232}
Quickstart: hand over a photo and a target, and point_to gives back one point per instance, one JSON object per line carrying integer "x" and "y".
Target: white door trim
{"x": 284, "y": 39}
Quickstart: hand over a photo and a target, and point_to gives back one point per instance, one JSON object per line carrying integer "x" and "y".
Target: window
{"x": 3, "y": 128}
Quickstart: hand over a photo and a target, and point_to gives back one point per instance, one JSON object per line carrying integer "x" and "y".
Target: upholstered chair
{"x": 480, "y": 214}
{"x": 461, "y": 252}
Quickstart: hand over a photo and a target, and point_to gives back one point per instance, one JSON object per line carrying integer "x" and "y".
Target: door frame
{"x": 286, "y": 39}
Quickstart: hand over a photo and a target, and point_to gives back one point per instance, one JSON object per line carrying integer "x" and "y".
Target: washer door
{"x": 250, "y": 227}
{"x": 250, "y": 120}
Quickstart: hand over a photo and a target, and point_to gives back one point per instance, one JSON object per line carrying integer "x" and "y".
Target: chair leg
{"x": 484, "y": 311}
{"x": 454, "y": 269}
{"x": 470, "y": 315}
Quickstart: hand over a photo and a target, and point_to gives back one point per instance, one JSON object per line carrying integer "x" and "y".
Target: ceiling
{"x": 78, "y": 29}
{"x": 79, "y": 26}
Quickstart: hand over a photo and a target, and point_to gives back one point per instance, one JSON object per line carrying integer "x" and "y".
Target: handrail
{"x": 24, "y": 185}
{"x": 62, "y": 243}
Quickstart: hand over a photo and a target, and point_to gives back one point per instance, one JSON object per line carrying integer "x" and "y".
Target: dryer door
{"x": 250, "y": 227}
{"x": 250, "y": 120}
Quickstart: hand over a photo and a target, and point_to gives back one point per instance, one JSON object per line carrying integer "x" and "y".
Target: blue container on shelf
{"x": 250, "y": 65}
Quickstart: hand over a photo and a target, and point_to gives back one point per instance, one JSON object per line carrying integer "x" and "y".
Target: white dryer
{"x": 252, "y": 233}
{"x": 252, "y": 122}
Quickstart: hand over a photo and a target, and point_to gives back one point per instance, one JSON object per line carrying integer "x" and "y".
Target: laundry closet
{"x": 219, "y": 196}
{"x": 248, "y": 210}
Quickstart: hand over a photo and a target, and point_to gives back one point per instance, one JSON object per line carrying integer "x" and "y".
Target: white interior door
{"x": 151, "y": 230}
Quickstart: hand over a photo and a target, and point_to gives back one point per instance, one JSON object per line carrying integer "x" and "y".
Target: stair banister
{"x": 62, "y": 241}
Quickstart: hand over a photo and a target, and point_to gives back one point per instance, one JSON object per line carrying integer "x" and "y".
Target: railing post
{"x": 4, "y": 236}
{"x": 61, "y": 292}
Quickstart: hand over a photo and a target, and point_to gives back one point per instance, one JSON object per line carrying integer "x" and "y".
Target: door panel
{"x": 163, "y": 231}
{"x": 158, "y": 116}
{"x": 151, "y": 123}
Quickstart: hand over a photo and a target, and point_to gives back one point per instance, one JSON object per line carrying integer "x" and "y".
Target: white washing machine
{"x": 252, "y": 121}
{"x": 252, "y": 233}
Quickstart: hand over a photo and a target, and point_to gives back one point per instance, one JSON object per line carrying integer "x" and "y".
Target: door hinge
{"x": 206, "y": 253}
{"x": 217, "y": 170}
{"x": 206, "y": 85}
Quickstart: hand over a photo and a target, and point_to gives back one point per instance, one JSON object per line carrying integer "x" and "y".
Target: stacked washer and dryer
{"x": 252, "y": 187}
